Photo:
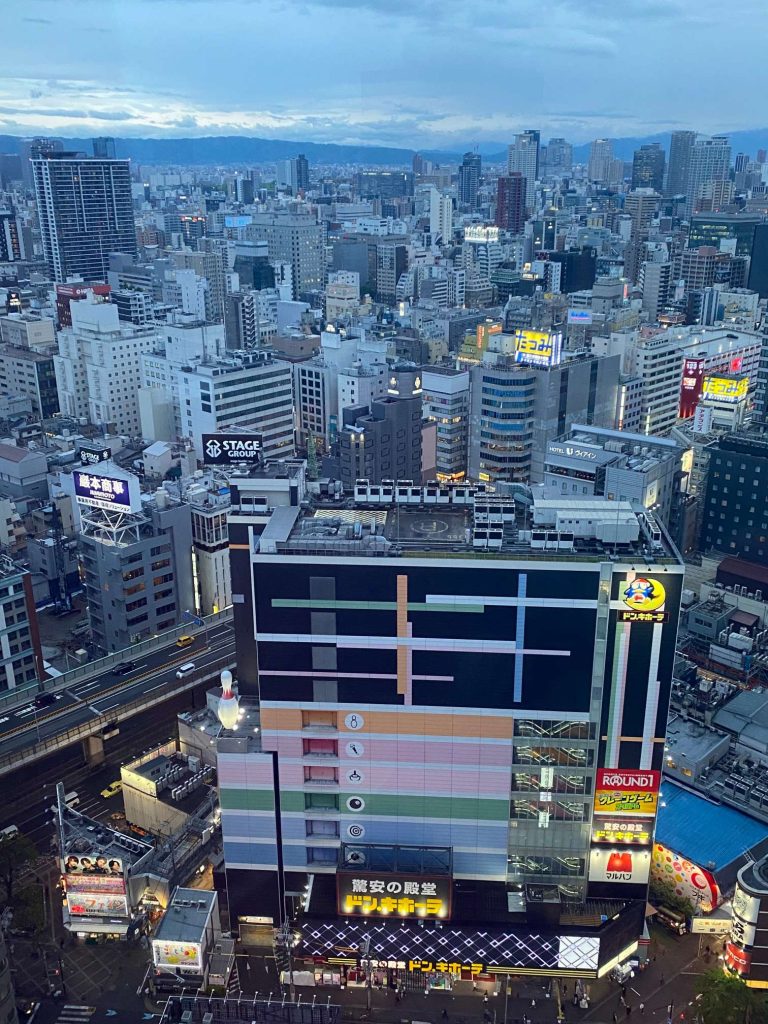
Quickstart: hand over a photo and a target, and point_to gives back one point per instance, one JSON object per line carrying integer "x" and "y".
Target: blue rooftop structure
{"x": 712, "y": 835}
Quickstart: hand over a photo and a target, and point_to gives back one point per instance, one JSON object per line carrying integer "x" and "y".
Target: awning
{"x": 740, "y": 618}
{"x": 650, "y": 910}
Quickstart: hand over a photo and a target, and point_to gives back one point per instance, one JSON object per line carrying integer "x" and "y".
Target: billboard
{"x": 237, "y": 220}
{"x": 169, "y": 953}
{"x": 631, "y": 793}
{"x": 737, "y": 959}
{"x": 745, "y": 906}
{"x": 725, "y": 389}
{"x": 108, "y": 492}
{"x": 643, "y": 598}
{"x": 620, "y": 831}
{"x": 399, "y": 895}
{"x": 96, "y": 904}
{"x": 690, "y": 881}
{"x": 625, "y": 866}
{"x": 112, "y": 884}
{"x": 93, "y": 863}
{"x": 690, "y": 387}
{"x": 581, "y": 317}
{"x": 93, "y": 456}
{"x": 231, "y": 449}
{"x": 538, "y": 348}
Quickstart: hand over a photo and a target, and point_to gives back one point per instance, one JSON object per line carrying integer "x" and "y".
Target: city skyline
{"x": 393, "y": 92}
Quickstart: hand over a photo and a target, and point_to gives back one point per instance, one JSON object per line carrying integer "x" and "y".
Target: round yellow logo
{"x": 644, "y": 594}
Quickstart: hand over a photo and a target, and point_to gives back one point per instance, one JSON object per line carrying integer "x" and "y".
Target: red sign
{"x": 737, "y": 959}
{"x": 629, "y": 779}
{"x": 690, "y": 388}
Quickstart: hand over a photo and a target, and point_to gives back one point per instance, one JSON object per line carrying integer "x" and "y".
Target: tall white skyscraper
{"x": 440, "y": 215}
{"x": 600, "y": 160}
{"x": 523, "y": 157}
{"x": 710, "y": 160}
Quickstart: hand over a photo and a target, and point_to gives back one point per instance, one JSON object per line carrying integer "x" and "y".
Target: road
{"x": 95, "y": 698}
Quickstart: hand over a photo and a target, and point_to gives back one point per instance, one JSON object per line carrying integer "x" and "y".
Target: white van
{"x": 9, "y": 832}
{"x": 184, "y": 670}
{"x": 70, "y": 799}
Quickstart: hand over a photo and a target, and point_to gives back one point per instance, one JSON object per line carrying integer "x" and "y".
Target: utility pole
{"x": 284, "y": 954}
{"x": 366, "y": 952}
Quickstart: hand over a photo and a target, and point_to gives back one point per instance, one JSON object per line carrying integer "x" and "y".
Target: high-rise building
{"x": 511, "y": 202}
{"x": 440, "y": 216}
{"x": 246, "y": 391}
{"x": 641, "y": 204}
{"x": 600, "y": 160}
{"x": 12, "y": 247}
{"x": 384, "y": 184}
{"x": 295, "y": 239}
{"x": 648, "y": 167}
{"x": 516, "y": 409}
{"x": 104, "y": 148}
{"x": 85, "y": 209}
{"x": 22, "y": 662}
{"x": 470, "y": 170}
{"x": 383, "y": 441}
{"x": 559, "y": 155}
{"x": 523, "y": 158}
{"x": 34, "y": 149}
{"x": 758, "y": 264}
{"x": 733, "y": 523}
{"x": 244, "y": 190}
{"x": 445, "y": 400}
{"x": 98, "y": 366}
{"x": 656, "y": 282}
{"x": 714, "y": 228}
{"x": 138, "y": 571}
{"x": 679, "y": 166}
{"x": 302, "y": 173}
{"x": 26, "y": 362}
{"x": 710, "y": 160}
{"x": 419, "y": 763}
{"x": 294, "y": 173}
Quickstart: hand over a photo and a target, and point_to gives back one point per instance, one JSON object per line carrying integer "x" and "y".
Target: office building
{"x": 710, "y": 160}
{"x": 717, "y": 229}
{"x": 758, "y": 264}
{"x": 648, "y": 167}
{"x": 445, "y": 402}
{"x": 10, "y": 169}
{"x": 295, "y": 239}
{"x": 85, "y": 210}
{"x": 735, "y": 513}
{"x": 137, "y": 567}
{"x": 384, "y": 184}
{"x": 470, "y": 171}
{"x": 523, "y": 158}
{"x": 511, "y": 202}
{"x": 573, "y": 270}
{"x": 391, "y": 263}
{"x": 342, "y": 295}
{"x": 294, "y": 174}
{"x": 405, "y": 794}
{"x": 600, "y": 160}
{"x": 679, "y": 166}
{"x": 559, "y": 156}
{"x": 641, "y": 204}
{"x": 656, "y": 282}
{"x": 618, "y": 465}
{"x": 97, "y": 367}
{"x": 244, "y": 190}
{"x": 250, "y": 319}
{"x": 516, "y": 409}
{"x": 383, "y": 441}
{"x": 29, "y": 372}
{"x": 21, "y": 661}
{"x": 12, "y": 248}
{"x": 440, "y": 216}
{"x": 104, "y": 148}
{"x": 248, "y": 390}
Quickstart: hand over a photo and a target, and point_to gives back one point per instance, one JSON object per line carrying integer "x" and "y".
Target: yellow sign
{"x": 442, "y": 967}
{"x": 726, "y": 389}
{"x": 644, "y": 594}
{"x": 537, "y": 348}
{"x": 627, "y": 801}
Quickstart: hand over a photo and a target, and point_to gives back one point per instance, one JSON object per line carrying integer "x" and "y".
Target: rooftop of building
{"x": 709, "y": 834}
{"x": 86, "y": 837}
{"x": 177, "y": 779}
{"x": 393, "y": 519}
{"x": 186, "y": 916}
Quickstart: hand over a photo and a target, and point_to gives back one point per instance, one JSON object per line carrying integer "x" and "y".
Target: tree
{"x": 15, "y": 853}
{"x": 725, "y": 999}
{"x": 28, "y": 910}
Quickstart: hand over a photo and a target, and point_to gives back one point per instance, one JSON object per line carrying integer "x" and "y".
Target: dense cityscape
{"x": 384, "y": 584}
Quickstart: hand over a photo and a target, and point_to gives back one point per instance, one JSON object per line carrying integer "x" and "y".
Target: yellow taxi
{"x": 185, "y": 641}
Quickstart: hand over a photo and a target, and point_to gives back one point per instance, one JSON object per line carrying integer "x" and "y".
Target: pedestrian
{"x": 615, "y": 1018}
{"x": 642, "y": 1007}
{"x": 661, "y": 979}
{"x": 445, "y": 1014}
{"x": 629, "y": 1009}
{"x": 485, "y": 998}
{"x": 565, "y": 989}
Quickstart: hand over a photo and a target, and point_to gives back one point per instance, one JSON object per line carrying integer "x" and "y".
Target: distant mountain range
{"x": 243, "y": 150}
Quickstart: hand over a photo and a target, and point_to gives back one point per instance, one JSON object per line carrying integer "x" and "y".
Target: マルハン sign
{"x": 227, "y": 449}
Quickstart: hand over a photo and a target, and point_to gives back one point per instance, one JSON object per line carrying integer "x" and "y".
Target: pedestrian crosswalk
{"x": 75, "y": 1014}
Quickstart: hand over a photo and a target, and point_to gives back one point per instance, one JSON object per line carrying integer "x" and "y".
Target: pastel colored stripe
{"x": 373, "y": 606}
{"x": 442, "y": 782}
{"x": 377, "y": 719}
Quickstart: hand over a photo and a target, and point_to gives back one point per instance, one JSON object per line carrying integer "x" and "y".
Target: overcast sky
{"x": 416, "y": 73}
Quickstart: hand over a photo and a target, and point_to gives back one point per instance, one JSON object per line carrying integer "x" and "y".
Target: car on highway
{"x": 185, "y": 640}
{"x": 112, "y": 789}
{"x": 44, "y": 700}
{"x": 184, "y": 670}
{"x": 124, "y": 668}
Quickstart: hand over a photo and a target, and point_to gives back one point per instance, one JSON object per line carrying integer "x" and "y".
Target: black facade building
{"x": 470, "y": 170}
{"x": 648, "y": 167}
{"x": 735, "y": 514}
{"x": 384, "y": 184}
